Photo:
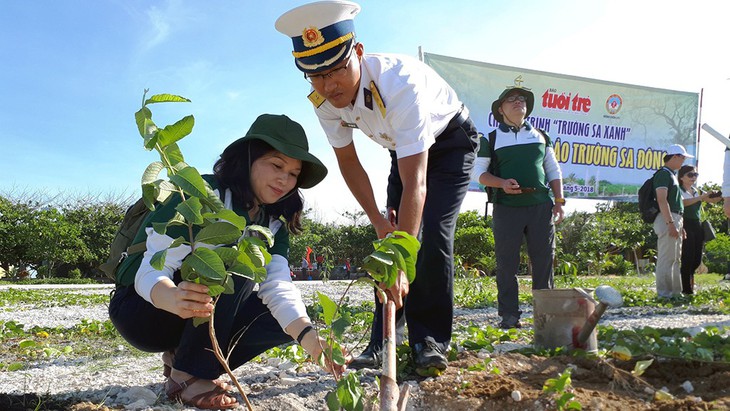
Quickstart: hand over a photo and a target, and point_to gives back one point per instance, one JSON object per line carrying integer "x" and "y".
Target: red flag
{"x": 309, "y": 251}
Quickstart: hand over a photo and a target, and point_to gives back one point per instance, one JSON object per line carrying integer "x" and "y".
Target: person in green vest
{"x": 522, "y": 167}
{"x": 259, "y": 176}
{"x": 668, "y": 225}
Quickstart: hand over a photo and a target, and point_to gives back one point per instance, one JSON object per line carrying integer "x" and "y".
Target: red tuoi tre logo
{"x": 554, "y": 101}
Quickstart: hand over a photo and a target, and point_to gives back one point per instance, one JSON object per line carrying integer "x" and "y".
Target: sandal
{"x": 212, "y": 399}
{"x": 168, "y": 358}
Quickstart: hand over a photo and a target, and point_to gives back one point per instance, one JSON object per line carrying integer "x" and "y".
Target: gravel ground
{"x": 136, "y": 383}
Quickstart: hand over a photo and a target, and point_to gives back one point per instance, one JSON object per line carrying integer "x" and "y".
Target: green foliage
{"x": 718, "y": 254}
{"x": 396, "y": 252}
{"x": 709, "y": 344}
{"x": 200, "y": 210}
{"x": 561, "y": 388}
{"x": 473, "y": 238}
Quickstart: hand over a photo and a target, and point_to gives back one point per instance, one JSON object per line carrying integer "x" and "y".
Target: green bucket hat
{"x": 530, "y": 102}
{"x": 287, "y": 137}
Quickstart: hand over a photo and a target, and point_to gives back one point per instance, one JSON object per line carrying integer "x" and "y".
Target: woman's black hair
{"x": 233, "y": 171}
{"x": 684, "y": 170}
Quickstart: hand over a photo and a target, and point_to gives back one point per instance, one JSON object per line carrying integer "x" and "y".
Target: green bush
{"x": 717, "y": 252}
{"x": 75, "y": 273}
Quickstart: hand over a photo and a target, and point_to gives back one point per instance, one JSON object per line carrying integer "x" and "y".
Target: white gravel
{"x": 136, "y": 383}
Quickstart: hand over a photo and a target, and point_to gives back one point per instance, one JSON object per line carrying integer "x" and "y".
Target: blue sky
{"x": 72, "y": 75}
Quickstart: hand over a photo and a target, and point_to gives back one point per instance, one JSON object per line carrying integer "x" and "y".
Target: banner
{"x": 608, "y": 137}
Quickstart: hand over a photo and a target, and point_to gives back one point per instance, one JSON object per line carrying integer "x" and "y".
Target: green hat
{"x": 530, "y": 102}
{"x": 287, "y": 137}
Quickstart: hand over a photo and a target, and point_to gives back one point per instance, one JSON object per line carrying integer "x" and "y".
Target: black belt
{"x": 459, "y": 118}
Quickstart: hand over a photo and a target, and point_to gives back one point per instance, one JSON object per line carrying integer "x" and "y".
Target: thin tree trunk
{"x": 389, "y": 392}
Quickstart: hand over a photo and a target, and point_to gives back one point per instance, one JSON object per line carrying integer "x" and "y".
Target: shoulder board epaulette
{"x": 316, "y": 98}
{"x": 378, "y": 98}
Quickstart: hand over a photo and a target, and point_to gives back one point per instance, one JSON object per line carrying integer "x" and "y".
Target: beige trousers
{"x": 669, "y": 254}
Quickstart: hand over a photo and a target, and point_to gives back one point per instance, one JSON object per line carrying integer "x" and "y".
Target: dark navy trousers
{"x": 429, "y": 306}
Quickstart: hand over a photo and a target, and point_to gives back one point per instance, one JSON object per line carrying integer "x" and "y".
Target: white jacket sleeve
{"x": 280, "y": 294}
{"x": 278, "y": 291}
{"x": 147, "y": 276}
{"x": 480, "y": 167}
{"x": 552, "y": 168}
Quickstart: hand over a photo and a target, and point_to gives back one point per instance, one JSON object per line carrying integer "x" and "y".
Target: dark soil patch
{"x": 597, "y": 384}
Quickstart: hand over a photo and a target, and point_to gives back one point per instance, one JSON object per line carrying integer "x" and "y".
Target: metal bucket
{"x": 559, "y": 315}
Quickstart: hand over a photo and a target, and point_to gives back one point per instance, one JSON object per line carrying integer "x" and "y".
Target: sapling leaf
{"x": 259, "y": 274}
{"x": 229, "y": 285}
{"x": 228, "y": 255}
{"x": 158, "y": 260}
{"x": 149, "y": 195}
{"x": 150, "y": 137}
{"x": 177, "y": 242}
{"x": 166, "y": 98}
{"x": 163, "y": 190}
{"x": 339, "y": 326}
{"x": 329, "y": 308}
{"x": 264, "y": 231}
{"x": 382, "y": 257}
{"x": 410, "y": 263}
{"x": 152, "y": 172}
{"x": 160, "y": 228}
{"x": 229, "y": 216}
{"x": 207, "y": 264}
{"x": 190, "y": 209}
{"x": 187, "y": 273}
{"x": 641, "y": 366}
{"x": 242, "y": 270}
{"x": 173, "y": 154}
{"x": 212, "y": 200}
{"x": 177, "y": 219}
{"x": 174, "y": 132}
{"x": 142, "y": 118}
{"x": 190, "y": 181}
{"x": 215, "y": 289}
{"x": 395, "y": 252}
{"x": 218, "y": 233}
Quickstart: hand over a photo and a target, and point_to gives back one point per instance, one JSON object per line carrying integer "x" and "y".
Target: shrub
{"x": 718, "y": 254}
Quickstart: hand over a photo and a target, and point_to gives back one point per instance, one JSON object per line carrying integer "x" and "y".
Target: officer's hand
{"x": 392, "y": 216}
{"x": 726, "y": 206}
{"x": 398, "y": 291}
{"x": 510, "y": 186}
{"x": 383, "y": 227}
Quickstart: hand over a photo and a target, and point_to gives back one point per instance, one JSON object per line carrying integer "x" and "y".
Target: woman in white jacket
{"x": 259, "y": 177}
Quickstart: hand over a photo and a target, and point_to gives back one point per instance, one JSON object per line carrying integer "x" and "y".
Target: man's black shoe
{"x": 510, "y": 321}
{"x": 429, "y": 358}
{"x": 370, "y": 358}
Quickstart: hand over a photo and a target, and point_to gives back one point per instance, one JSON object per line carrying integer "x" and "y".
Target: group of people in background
{"x": 407, "y": 108}
{"x": 678, "y": 226}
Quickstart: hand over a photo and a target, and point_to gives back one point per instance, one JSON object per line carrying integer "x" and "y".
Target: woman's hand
{"x": 186, "y": 300}
{"x": 314, "y": 345}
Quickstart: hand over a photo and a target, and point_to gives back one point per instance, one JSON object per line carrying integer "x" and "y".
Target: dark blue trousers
{"x": 429, "y": 306}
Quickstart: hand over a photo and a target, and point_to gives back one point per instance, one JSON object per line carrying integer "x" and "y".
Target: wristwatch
{"x": 560, "y": 201}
